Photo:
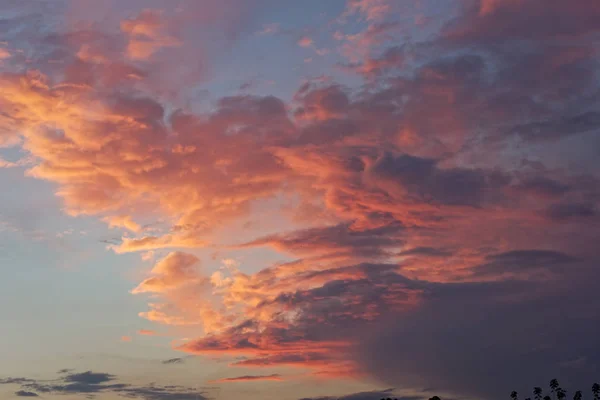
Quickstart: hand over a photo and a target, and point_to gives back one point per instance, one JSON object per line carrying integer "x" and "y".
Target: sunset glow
{"x": 317, "y": 200}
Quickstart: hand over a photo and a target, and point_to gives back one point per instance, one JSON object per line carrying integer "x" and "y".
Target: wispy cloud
{"x": 249, "y": 378}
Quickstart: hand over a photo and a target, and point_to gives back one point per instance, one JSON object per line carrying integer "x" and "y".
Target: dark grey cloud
{"x": 65, "y": 371}
{"x": 544, "y": 186}
{"x": 15, "y": 381}
{"x": 341, "y": 238}
{"x": 522, "y": 262}
{"x": 372, "y": 395}
{"x": 89, "y": 377}
{"x": 530, "y": 20}
{"x": 173, "y": 361}
{"x": 90, "y": 383}
{"x": 486, "y": 339}
{"x": 425, "y": 181}
{"x": 161, "y": 393}
{"x": 331, "y": 100}
{"x": 345, "y": 302}
{"x": 559, "y": 127}
{"x": 24, "y": 393}
{"x": 563, "y": 211}
{"x": 426, "y": 252}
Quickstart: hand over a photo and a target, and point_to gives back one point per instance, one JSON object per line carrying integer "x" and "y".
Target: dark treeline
{"x": 556, "y": 393}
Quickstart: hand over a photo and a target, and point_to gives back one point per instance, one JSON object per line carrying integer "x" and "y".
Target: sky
{"x": 316, "y": 200}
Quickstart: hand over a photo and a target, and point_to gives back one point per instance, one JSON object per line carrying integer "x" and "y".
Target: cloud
{"x": 104, "y": 188}
{"x": 174, "y": 270}
{"x": 337, "y": 239}
{"x": 382, "y": 394}
{"x": 17, "y": 381}
{"x": 420, "y": 177}
{"x": 4, "y": 54}
{"x": 488, "y": 19}
{"x": 249, "y": 378}
{"x": 449, "y": 199}
{"x": 544, "y": 187}
{"x": 476, "y": 319}
{"x": 562, "y": 211}
{"x": 89, "y": 377}
{"x": 184, "y": 294}
{"x": 425, "y": 251}
{"x": 392, "y": 59}
{"x": 305, "y": 41}
{"x": 147, "y": 34}
{"x": 24, "y": 393}
{"x": 124, "y": 221}
{"x": 371, "y": 9}
{"x": 90, "y": 383}
{"x": 522, "y": 262}
{"x": 173, "y": 361}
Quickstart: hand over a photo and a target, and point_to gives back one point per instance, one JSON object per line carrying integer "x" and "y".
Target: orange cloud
{"x": 4, "y": 54}
{"x": 146, "y": 332}
{"x": 148, "y": 33}
{"x": 124, "y": 221}
{"x": 173, "y": 271}
{"x": 188, "y": 240}
{"x": 108, "y": 175}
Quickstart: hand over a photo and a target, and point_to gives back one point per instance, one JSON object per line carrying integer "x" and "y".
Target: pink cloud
{"x": 305, "y": 41}
{"x": 147, "y": 34}
{"x": 4, "y": 54}
{"x": 174, "y": 270}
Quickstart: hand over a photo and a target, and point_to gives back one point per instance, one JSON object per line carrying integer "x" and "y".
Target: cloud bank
{"x": 452, "y": 199}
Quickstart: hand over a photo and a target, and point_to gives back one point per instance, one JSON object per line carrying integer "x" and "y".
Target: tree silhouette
{"x": 596, "y": 391}
{"x": 537, "y": 393}
{"x": 558, "y": 392}
{"x": 561, "y": 394}
{"x": 553, "y": 386}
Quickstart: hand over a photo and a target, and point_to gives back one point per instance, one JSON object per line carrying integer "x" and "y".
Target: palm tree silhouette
{"x": 557, "y": 392}
{"x": 537, "y": 393}
{"x": 561, "y": 394}
{"x": 553, "y": 386}
{"x": 596, "y": 391}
